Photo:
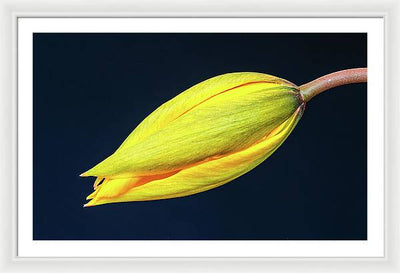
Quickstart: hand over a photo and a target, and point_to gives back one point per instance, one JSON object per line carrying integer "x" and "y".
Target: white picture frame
{"x": 12, "y": 10}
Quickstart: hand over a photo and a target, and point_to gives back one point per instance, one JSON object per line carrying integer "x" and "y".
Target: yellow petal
{"x": 201, "y": 177}
{"x": 194, "y": 96}
{"x": 222, "y": 124}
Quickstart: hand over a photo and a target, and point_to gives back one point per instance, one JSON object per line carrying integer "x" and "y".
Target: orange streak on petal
{"x": 115, "y": 187}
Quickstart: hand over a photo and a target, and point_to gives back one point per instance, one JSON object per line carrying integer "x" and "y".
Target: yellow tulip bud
{"x": 205, "y": 137}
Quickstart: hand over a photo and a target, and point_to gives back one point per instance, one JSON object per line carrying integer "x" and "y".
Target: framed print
{"x": 167, "y": 141}
{"x": 81, "y": 71}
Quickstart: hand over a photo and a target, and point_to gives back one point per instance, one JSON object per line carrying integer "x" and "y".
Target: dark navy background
{"x": 92, "y": 90}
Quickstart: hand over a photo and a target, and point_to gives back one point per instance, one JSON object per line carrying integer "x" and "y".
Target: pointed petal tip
{"x": 94, "y": 202}
{"x": 83, "y": 174}
{"x": 87, "y": 205}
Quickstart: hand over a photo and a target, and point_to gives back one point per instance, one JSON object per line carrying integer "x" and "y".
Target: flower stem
{"x": 313, "y": 88}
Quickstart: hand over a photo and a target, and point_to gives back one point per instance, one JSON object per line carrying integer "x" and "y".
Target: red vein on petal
{"x": 230, "y": 89}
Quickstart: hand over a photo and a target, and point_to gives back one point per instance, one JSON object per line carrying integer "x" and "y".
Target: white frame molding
{"x": 10, "y": 10}
{"x": 372, "y": 247}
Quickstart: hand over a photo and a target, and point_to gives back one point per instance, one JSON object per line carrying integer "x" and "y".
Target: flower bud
{"x": 205, "y": 137}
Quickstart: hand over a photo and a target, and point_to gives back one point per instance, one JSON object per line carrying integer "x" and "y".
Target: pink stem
{"x": 313, "y": 88}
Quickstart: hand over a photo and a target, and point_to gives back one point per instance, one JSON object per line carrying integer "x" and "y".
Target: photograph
{"x": 200, "y": 136}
